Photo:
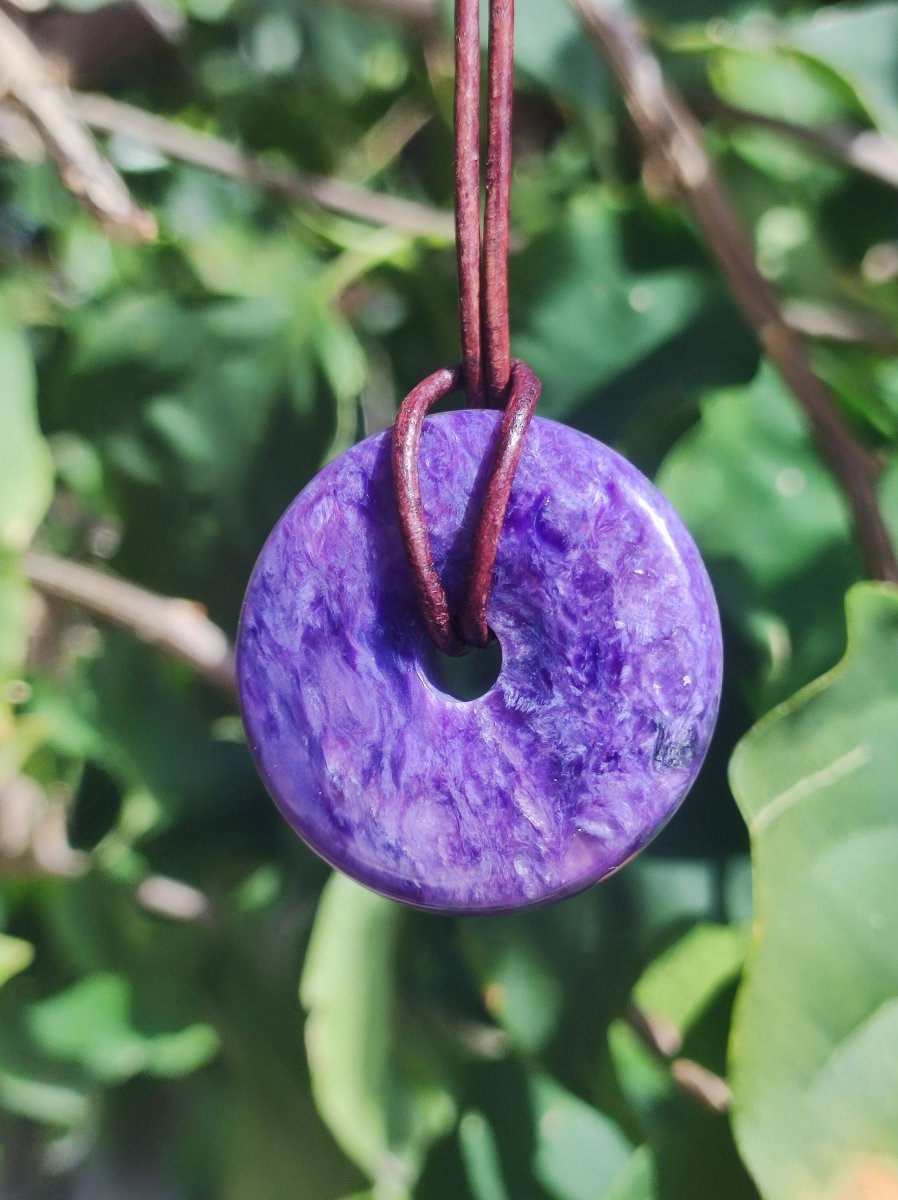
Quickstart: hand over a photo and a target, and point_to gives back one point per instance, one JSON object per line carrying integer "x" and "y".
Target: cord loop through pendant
{"x": 488, "y": 374}
{"x": 472, "y": 628}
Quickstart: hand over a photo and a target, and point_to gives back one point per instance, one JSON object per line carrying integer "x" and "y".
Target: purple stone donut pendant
{"x": 592, "y": 734}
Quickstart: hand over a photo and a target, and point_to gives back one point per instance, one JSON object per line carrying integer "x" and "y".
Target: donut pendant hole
{"x": 467, "y": 677}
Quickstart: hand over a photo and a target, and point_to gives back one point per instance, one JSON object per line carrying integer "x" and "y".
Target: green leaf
{"x": 188, "y": 403}
{"x": 669, "y": 892}
{"x": 20, "y": 737}
{"x": 13, "y": 616}
{"x": 675, "y": 992}
{"x": 578, "y": 280}
{"x": 814, "y": 1049}
{"x": 767, "y": 81}
{"x": 580, "y": 1153}
{"x": 772, "y": 524}
{"x": 520, "y": 987}
{"x": 53, "y": 1103}
{"x": 26, "y": 469}
{"x": 859, "y": 44}
{"x": 637, "y": 1180}
{"x": 550, "y": 47}
{"x": 15, "y": 955}
{"x": 384, "y": 1101}
{"x": 644, "y": 1079}
{"x": 786, "y": 86}
{"x": 480, "y": 1154}
{"x": 344, "y": 365}
{"x": 750, "y": 465}
{"x": 89, "y": 1024}
{"x": 680, "y": 982}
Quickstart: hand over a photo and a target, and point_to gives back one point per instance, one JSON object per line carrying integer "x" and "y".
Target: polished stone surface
{"x": 590, "y": 738}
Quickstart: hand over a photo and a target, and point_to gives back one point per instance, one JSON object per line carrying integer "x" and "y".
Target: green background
{"x": 191, "y": 1006}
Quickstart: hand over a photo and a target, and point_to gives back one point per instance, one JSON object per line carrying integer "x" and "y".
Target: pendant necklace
{"x": 445, "y": 533}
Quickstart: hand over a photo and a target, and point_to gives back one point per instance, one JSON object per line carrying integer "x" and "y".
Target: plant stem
{"x": 216, "y": 154}
{"x": 178, "y": 627}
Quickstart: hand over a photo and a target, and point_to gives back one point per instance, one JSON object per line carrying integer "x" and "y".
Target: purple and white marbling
{"x": 586, "y": 744}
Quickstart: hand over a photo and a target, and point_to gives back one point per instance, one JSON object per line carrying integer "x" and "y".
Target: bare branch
{"x": 676, "y": 160}
{"x": 385, "y": 140}
{"x": 26, "y": 80}
{"x": 664, "y": 1041}
{"x": 215, "y": 154}
{"x": 34, "y": 837}
{"x": 841, "y": 325}
{"x": 178, "y": 627}
{"x": 172, "y": 899}
{"x": 702, "y": 1085}
{"x": 862, "y": 150}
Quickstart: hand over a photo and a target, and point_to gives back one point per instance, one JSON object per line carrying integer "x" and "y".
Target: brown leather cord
{"x": 498, "y": 200}
{"x": 488, "y": 373}
{"x": 404, "y": 448}
{"x": 472, "y": 629}
{"x": 467, "y": 192}
{"x": 524, "y": 391}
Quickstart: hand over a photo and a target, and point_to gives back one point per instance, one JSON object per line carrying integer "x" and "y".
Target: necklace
{"x": 448, "y": 532}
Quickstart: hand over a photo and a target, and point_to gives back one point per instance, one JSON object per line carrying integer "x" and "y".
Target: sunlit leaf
{"x": 637, "y": 1179}
{"x": 90, "y": 1024}
{"x": 481, "y": 1157}
{"x": 52, "y": 1103}
{"x": 518, "y": 983}
{"x": 771, "y": 522}
{"x": 686, "y": 976}
{"x": 860, "y": 44}
{"x": 15, "y": 955}
{"x": 814, "y": 1062}
{"x": 378, "y": 1093}
{"x": 584, "y": 313}
{"x": 13, "y": 616}
{"x": 580, "y": 1153}
{"x": 26, "y": 470}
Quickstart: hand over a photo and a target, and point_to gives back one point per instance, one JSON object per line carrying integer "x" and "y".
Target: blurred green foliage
{"x": 159, "y": 407}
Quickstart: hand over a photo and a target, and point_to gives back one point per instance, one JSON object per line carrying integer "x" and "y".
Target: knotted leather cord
{"x": 488, "y": 374}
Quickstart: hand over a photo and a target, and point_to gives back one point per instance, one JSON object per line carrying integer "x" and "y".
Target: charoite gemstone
{"x": 592, "y": 734}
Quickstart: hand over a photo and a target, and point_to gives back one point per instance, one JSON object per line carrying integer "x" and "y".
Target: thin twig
{"x": 26, "y": 81}
{"x": 677, "y": 160}
{"x": 862, "y": 150}
{"x": 216, "y": 154}
{"x": 165, "y": 897}
{"x": 178, "y": 627}
{"x": 841, "y": 325}
{"x": 385, "y": 140}
{"x": 664, "y": 1040}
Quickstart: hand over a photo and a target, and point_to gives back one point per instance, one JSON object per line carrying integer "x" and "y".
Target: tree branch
{"x": 215, "y": 154}
{"x": 676, "y": 160}
{"x": 177, "y": 627}
{"x": 26, "y": 80}
{"x": 841, "y": 325}
{"x": 664, "y": 1041}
